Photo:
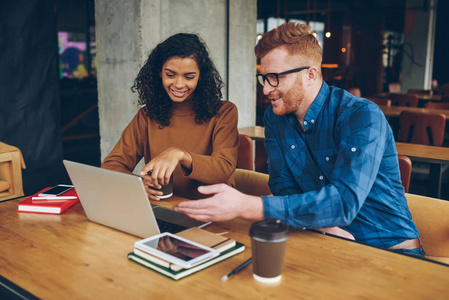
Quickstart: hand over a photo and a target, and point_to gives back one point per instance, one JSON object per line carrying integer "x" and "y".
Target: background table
{"x": 422, "y": 98}
{"x": 395, "y": 111}
{"x": 437, "y": 157}
{"x": 256, "y": 133}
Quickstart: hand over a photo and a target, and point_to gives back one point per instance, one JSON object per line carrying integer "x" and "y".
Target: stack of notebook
{"x": 51, "y": 205}
{"x": 226, "y": 246}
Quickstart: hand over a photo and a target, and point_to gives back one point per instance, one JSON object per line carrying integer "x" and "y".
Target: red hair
{"x": 296, "y": 38}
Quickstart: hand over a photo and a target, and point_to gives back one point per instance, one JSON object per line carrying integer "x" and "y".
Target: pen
{"x": 238, "y": 269}
{"x": 54, "y": 198}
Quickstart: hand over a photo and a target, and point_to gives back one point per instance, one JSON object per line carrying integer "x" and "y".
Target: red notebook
{"x": 48, "y": 206}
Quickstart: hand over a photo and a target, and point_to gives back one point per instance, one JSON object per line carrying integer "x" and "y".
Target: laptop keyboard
{"x": 165, "y": 226}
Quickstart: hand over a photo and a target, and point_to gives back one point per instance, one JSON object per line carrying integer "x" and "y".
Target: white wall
{"x": 417, "y": 61}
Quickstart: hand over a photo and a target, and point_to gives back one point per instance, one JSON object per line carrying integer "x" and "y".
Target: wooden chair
{"x": 245, "y": 158}
{"x": 380, "y": 101}
{"x": 437, "y": 105}
{"x": 409, "y": 100}
{"x": 11, "y": 164}
{"x": 405, "y": 168}
{"x": 427, "y": 129}
{"x": 251, "y": 182}
{"x": 394, "y": 87}
{"x": 420, "y": 92}
{"x": 431, "y": 218}
{"x": 422, "y": 128}
{"x": 440, "y": 105}
{"x": 355, "y": 91}
{"x": 443, "y": 89}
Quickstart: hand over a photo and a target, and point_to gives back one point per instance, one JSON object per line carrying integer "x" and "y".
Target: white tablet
{"x": 175, "y": 249}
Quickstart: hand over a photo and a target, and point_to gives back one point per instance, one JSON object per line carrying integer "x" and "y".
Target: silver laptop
{"x": 119, "y": 201}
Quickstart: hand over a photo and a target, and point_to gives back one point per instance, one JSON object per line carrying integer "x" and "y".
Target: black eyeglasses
{"x": 273, "y": 78}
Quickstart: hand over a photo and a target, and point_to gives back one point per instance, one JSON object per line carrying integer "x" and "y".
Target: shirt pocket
{"x": 294, "y": 155}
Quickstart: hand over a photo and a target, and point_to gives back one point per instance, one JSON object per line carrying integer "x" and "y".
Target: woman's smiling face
{"x": 180, "y": 78}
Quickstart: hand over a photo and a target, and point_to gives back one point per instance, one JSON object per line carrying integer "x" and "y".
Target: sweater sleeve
{"x": 220, "y": 165}
{"x": 130, "y": 148}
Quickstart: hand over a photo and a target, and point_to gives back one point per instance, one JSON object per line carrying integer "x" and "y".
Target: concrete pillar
{"x": 127, "y": 31}
{"x": 418, "y": 49}
{"x": 242, "y": 61}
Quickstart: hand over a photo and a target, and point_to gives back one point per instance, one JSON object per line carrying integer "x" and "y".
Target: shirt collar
{"x": 314, "y": 109}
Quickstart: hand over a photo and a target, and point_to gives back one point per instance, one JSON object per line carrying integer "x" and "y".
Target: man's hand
{"x": 225, "y": 204}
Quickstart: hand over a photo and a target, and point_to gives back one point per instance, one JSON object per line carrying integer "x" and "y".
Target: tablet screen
{"x": 176, "y": 247}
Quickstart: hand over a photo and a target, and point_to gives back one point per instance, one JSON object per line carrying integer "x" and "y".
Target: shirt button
{"x": 321, "y": 177}
{"x": 305, "y": 123}
{"x": 313, "y": 121}
{"x": 327, "y": 158}
{"x": 293, "y": 147}
{"x": 353, "y": 149}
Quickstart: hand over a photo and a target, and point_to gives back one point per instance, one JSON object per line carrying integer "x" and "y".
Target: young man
{"x": 332, "y": 157}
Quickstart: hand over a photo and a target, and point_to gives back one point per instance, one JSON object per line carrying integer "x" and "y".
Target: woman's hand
{"x": 158, "y": 171}
{"x": 152, "y": 192}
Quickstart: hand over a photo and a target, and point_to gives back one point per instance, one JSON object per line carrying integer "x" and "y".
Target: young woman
{"x": 184, "y": 128}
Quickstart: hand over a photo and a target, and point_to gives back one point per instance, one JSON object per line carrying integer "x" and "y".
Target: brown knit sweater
{"x": 213, "y": 146}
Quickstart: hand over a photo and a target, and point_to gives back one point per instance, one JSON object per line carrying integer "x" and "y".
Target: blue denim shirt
{"x": 341, "y": 171}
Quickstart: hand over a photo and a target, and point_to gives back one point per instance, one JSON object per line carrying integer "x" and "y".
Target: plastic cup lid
{"x": 269, "y": 230}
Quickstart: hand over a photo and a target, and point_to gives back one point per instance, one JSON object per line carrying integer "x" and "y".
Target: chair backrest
{"x": 380, "y": 101}
{"x": 405, "y": 167}
{"x": 355, "y": 91}
{"x": 420, "y": 92}
{"x": 409, "y": 100}
{"x": 422, "y": 128}
{"x": 443, "y": 89}
{"x": 437, "y": 105}
{"x": 431, "y": 218}
{"x": 11, "y": 164}
{"x": 394, "y": 87}
{"x": 251, "y": 182}
{"x": 245, "y": 153}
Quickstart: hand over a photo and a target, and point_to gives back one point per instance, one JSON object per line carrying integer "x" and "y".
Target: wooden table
{"x": 66, "y": 256}
{"x": 424, "y": 153}
{"x": 421, "y": 97}
{"x": 437, "y": 157}
{"x": 395, "y": 111}
{"x": 256, "y": 133}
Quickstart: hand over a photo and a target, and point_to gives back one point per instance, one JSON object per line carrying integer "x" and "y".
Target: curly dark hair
{"x": 207, "y": 95}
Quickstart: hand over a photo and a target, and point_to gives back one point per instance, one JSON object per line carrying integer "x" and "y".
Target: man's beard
{"x": 291, "y": 101}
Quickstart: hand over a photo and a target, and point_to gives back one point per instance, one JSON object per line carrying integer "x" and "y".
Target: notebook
{"x": 119, "y": 200}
